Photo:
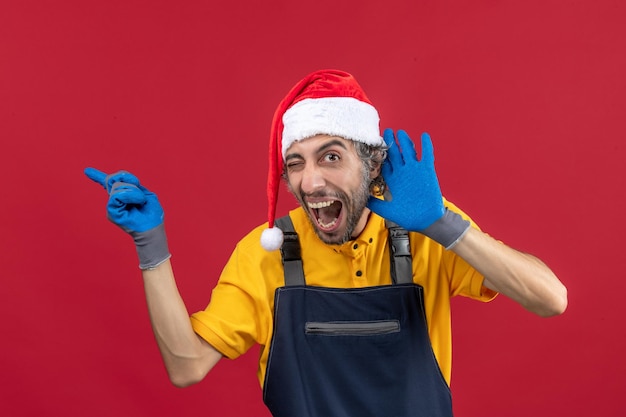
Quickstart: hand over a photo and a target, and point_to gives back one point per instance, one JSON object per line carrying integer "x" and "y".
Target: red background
{"x": 525, "y": 102}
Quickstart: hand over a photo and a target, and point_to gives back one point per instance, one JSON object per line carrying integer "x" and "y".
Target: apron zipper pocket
{"x": 352, "y": 328}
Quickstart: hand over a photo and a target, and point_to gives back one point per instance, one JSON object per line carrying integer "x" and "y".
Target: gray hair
{"x": 373, "y": 157}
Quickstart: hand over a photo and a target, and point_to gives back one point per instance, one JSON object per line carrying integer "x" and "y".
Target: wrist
{"x": 448, "y": 229}
{"x": 152, "y": 248}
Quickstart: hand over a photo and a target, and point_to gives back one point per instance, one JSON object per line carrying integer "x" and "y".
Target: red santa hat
{"x": 327, "y": 102}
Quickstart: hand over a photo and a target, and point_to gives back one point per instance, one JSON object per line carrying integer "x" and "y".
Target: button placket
{"x": 359, "y": 261}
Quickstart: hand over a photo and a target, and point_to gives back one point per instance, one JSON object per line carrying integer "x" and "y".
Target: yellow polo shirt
{"x": 240, "y": 312}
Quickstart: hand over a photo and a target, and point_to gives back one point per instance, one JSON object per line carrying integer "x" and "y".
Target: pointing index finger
{"x": 95, "y": 175}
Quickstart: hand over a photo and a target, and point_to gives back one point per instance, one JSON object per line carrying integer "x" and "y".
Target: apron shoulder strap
{"x": 401, "y": 259}
{"x": 399, "y": 244}
{"x": 290, "y": 252}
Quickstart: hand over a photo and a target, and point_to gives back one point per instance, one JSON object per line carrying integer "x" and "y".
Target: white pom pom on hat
{"x": 272, "y": 238}
{"x": 327, "y": 102}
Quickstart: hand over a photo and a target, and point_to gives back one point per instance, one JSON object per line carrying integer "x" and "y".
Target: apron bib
{"x": 339, "y": 352}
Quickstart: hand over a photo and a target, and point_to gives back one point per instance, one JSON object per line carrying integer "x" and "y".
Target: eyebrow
{"x": 321, "y": 149}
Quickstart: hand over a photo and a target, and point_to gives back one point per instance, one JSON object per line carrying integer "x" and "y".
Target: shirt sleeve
{"x": 464, "y": 279}
{"x": 239, "y": 313}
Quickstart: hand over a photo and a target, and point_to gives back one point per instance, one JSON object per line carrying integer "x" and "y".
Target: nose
{"x": 312, "y": 179}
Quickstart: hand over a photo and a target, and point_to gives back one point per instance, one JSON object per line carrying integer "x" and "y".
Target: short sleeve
{"x": 464, "y": 279}
{"x": 239, "y": 313}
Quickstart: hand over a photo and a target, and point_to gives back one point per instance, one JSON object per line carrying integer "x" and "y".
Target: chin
{"x": 334, "y": 238}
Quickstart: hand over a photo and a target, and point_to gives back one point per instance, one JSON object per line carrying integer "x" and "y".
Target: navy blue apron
{"x": 354, "y": 352}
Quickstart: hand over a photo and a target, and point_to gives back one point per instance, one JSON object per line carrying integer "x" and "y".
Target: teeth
{"x": 326, "y": 226}
{"x": 321, "y": 204}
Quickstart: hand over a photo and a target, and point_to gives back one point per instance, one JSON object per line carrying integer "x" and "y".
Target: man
{"x": 353, "y": 313}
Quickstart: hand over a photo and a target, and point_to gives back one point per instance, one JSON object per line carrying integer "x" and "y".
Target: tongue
{"x": 330, "y": 213}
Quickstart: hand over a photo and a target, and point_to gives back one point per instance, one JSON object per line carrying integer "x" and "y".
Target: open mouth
{"x": 326, "y": 214}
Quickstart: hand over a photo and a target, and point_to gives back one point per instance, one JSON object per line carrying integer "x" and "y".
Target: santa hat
{"x": 327, "y": 102}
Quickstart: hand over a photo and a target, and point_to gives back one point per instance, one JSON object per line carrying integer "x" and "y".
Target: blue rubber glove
{"x": 137, "y": 211}
{"x": 416, "y": 202}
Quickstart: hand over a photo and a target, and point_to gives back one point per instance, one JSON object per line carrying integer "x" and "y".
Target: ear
{"x": 375, "y": 170}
